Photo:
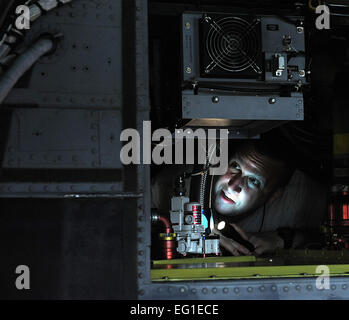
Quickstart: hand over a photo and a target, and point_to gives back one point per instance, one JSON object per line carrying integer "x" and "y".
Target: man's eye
{"x": 254, "y": 182}
{"x": 235, "y": 166}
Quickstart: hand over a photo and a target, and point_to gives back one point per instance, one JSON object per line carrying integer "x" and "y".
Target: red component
{"x": 166, "y": 223}
{"x": 168, "y": 248}
{"x": 345, "y": 211}
{"x": 196, "y": 214}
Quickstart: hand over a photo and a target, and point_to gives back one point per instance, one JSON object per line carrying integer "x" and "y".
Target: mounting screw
{"x": 300, "y": 29}
{"x": 215, "y": 99}
{"x": 272, "y": 100}
{"x": 187, "y": 25}
{"x": 188, "y": 70}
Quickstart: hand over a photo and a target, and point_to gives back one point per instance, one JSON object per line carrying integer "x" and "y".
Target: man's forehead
{"x": 250, "y": 166}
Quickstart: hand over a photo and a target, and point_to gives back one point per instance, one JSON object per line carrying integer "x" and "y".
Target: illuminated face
{"x": 241, "y": 189}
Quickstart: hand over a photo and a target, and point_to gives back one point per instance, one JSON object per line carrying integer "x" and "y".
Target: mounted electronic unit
{"x": 242, "y": 68}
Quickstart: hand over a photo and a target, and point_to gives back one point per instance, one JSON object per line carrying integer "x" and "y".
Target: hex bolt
{"x": 272, "y": 100}
{"x": 215, "y": 99}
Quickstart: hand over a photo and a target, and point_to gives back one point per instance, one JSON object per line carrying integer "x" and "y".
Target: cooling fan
{"x": 230, "y": 47}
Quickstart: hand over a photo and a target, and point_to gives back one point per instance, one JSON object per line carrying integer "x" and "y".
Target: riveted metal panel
{"x": 85, "y": 70}
{"x": 53, "y": 138}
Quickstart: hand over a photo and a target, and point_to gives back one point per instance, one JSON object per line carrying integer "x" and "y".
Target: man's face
{"x": 240, "y": 189}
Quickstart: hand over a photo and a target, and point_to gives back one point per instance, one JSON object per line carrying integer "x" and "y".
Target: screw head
{"x": 215, "y": 99}
{"x": 187, "y": 25}
{"x": 188, "y": 70}
{"x": 300, "y": 29}
{"x": 272, "y": 100}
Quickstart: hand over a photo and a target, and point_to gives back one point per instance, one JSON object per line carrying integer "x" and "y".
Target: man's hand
{"x": 266, "y": 242}
{"x": 231, "y": 245}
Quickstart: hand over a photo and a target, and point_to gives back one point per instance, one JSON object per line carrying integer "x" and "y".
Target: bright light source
{"x": 221, "y": 225}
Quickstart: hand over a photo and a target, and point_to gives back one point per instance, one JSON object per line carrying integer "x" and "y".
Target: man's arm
{"x": 269, "y": 242}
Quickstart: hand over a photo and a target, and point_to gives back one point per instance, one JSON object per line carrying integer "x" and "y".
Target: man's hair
{"x": 269, "y": 157}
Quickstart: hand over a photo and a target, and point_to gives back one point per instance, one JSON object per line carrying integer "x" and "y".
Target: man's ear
{"x": 276, "y": 195}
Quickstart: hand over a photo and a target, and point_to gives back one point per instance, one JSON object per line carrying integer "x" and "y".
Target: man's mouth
{"x": 226, "y": 197}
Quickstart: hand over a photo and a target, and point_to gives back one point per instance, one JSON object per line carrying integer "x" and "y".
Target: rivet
{"x": 140, "y": 275}
{"x": 187, "y": 25}
{"x": 298, "y": 287}
{"x": 262, "y": 288}
{"x": 204, "y": 290}
{"x": 188, "y": 70}
{"x": 249, "y": 289}
{"x": 214, "y": 290}
{"x": 273, "y": 288}
{"x": 286, "y": 289}
{"x": 182, "y": 290}
{"x": 236, "y": 290}
{"x": 272, "y": 100}
{"x": 309, "y": 287}
{"x": 193, "y": 290}
{"x": 225, "y": 290}
{"x": 344, "y": 286}
{"x": 141, "y": 252}
{"x": 333, "y": 287}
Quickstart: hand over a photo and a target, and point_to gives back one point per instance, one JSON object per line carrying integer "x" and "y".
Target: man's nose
{"x": 235, "y": 184}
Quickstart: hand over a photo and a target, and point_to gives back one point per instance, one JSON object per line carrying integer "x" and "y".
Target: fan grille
{"x": 232, "y": 44}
